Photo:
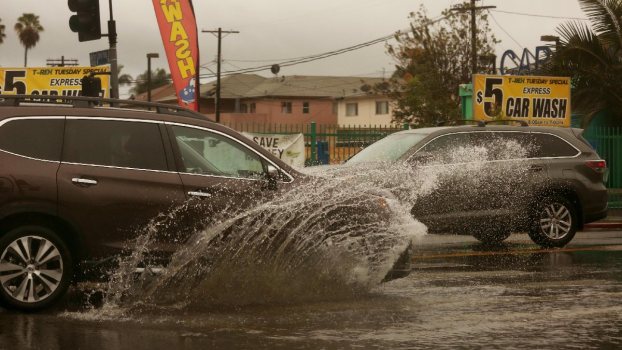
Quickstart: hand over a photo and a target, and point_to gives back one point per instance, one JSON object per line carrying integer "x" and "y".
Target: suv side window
{"x": 505, "y": 145}
{"x": 204, "y": 152}
{"x": 33, "y": 137}
{"x": 125, "y": 144}
{"x": 552, "y": 146}
{"x": 441, "y": 149}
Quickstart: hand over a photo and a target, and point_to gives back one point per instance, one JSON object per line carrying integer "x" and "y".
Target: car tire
{"x": 36, "y": 267}
{"x": 555, "y": 222}
{"x": 492, "y": 237}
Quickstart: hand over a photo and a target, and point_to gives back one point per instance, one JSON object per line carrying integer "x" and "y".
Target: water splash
{"x": 334, "y": 236}
{"x": 322, "y": 240}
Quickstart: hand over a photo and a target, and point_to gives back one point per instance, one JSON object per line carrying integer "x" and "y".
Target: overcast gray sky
{"x": 270, "y": 31}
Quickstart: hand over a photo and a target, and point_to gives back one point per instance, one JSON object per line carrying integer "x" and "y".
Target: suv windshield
{"x": 390, "y": 148}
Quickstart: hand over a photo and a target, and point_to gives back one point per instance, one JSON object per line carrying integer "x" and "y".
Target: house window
{"x": 286, "y": 107}
{"x": 352, "y": 109}
{"x": 305, "y": 107}
{"x": 253, "y": 108}
{"x": 382, "y": 107}
{"x": 243, "y": 108}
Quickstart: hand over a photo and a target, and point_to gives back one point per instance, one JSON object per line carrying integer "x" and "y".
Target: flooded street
{"x": 460, "y": 294}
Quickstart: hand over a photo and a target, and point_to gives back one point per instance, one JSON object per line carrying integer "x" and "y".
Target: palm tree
{"x": 28, "y": 29}
{"x": 592, "y": 57}
{"x": 124, "y": 79}
{"x": 158, "y": 78}
{"x": 2, "y": 35}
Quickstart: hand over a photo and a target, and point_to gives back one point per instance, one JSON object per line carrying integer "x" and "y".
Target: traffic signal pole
{"x": 87, "y": 24}
{"x": 114, "y": 69}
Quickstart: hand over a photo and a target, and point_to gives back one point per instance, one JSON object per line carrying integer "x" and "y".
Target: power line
{"x": 308, "y": 58}
{"x": 505, "y": 31}
{"x": 305, "y": 59}
{"x": 541, "y": 16}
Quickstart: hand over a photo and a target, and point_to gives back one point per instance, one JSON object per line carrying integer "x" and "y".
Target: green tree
{"x": 159, "y": 77}
{"x": 432, "y": 59}
{"x": 592, "y": 57}
{"x": 28, "y": 29}
{"x": 2, "y": 34}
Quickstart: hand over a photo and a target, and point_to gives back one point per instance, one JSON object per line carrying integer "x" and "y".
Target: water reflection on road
{"x": 461, "y": 294}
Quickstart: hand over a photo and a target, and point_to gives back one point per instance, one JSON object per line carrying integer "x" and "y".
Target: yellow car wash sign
{"x": 539, "y": 101}
{"x": 61, "y": 81}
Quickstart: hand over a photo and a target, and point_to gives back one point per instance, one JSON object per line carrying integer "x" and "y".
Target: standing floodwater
{"x": 460, "y": 294}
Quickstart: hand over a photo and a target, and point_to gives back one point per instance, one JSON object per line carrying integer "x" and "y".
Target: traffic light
{"x": 91, "y": 86}
{"x": 86, "y": 20}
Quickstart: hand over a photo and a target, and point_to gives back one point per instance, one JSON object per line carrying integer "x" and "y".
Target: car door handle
{"x": 83, "y": 181}
{"x": 199, "y": 194}
{"x": 536, "y": 168}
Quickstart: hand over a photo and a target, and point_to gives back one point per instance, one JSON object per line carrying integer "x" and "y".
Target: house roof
{"x": 255, "y": 86}
{"x": 158, "y": 94}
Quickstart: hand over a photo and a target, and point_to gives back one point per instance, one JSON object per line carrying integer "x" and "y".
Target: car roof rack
{"x": 86, "y": 102}
{"x": 456, "y": 121}
{"x": 499, "y": 121}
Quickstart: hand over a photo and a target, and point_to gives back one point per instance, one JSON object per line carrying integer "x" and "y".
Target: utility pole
{"x": 473, "y": 9}
{"x": 219, "y": 33}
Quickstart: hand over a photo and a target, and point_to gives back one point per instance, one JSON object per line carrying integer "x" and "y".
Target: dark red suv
{"x": 77, "y": 180}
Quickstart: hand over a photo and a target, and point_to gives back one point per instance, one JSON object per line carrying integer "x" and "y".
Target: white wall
{"x": 366, "y": 112}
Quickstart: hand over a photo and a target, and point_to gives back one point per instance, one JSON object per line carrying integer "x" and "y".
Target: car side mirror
{"x": 272, "y": 171}
{"x": 272, "y": 174}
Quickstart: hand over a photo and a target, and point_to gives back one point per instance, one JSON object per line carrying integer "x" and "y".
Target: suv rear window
{"x": 124, "y": 144}
{"x": 552, "y": 146}
{"x": 35, "y": 138}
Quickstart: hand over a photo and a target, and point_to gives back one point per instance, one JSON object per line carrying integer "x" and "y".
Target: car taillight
{"x": 599, "y": 166}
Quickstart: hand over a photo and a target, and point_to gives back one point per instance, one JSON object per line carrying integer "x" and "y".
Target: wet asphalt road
{"x": 460, "y": 295}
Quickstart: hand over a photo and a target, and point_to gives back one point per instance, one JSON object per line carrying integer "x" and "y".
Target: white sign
{"x": 290, "y": 148}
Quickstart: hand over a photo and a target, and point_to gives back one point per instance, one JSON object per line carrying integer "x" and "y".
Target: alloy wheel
{"x": 555, "y": 221}
{"x": 31, "y": 269}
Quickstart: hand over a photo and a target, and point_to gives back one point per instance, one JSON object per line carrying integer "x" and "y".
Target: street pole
{"x": 219, "y": 33}
{"x": 114, "y": 70}
{"x": 218, "y": 75}
{"x": 148, "y": 78}
{"x": 149, "y": 57}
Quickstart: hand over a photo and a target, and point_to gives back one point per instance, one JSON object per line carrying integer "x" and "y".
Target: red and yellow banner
{"x": 179, "y": 35}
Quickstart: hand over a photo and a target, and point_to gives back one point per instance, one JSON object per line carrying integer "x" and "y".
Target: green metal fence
{"x": 608, "y": 143}
{"x": 324, "y": 144}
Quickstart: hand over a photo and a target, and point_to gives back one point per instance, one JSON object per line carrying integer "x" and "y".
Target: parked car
{"x": 77, "y": 181}
{"x": 557, "y": 188}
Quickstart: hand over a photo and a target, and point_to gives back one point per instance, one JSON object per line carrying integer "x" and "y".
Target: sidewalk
{"x": 613, "y": 221}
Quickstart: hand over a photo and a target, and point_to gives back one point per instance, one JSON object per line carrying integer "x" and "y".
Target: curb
{"x": 603, "y": 225}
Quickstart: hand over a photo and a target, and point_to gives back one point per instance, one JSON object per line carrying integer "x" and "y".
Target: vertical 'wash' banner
{"x": 179, "y": 35}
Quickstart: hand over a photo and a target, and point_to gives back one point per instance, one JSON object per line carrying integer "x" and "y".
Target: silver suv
{"x": 556, "y": 185}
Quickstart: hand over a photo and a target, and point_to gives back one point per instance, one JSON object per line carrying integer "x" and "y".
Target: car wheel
{"x": 492, "y": 237}
{"x": 35, "y": 267}
{"x": 555, "y": 222}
